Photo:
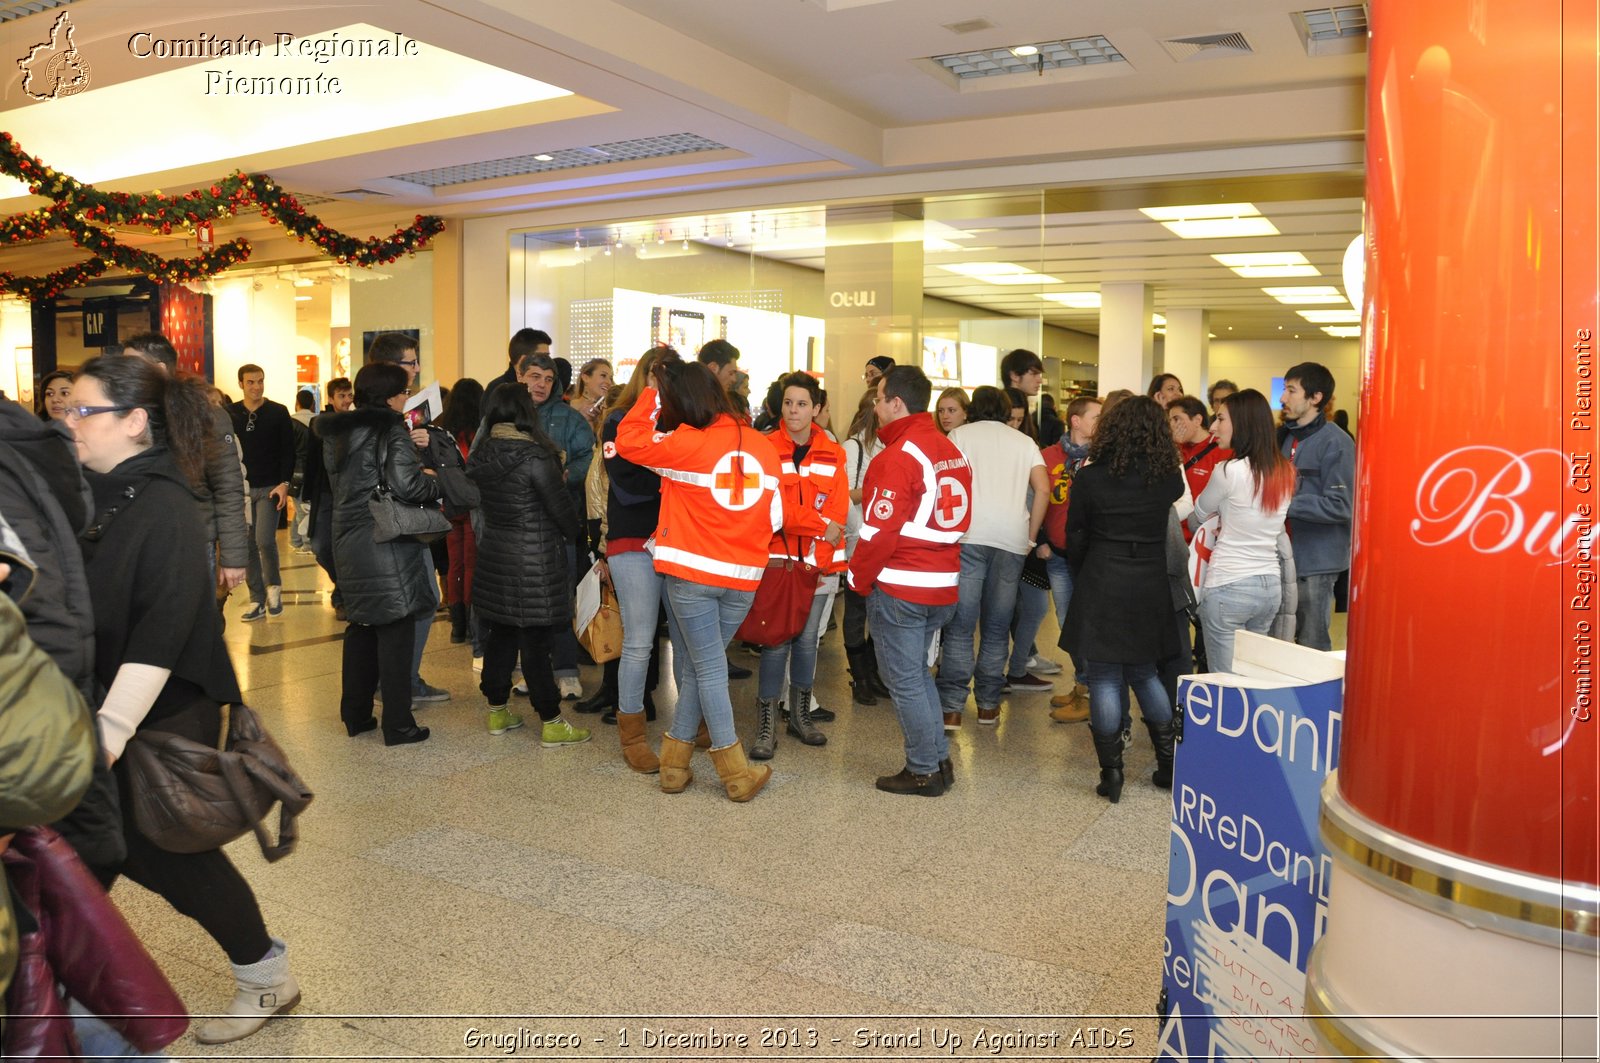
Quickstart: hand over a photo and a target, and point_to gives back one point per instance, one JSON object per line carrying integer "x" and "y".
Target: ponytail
{"x": 179, "y": 408}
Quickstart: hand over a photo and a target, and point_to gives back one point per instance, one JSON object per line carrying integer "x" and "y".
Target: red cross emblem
{"x": 731, "y": 485}
{"x": 950, "y": 504}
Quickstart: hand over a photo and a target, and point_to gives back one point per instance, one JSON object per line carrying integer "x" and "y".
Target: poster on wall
{"x": 1248, "y": 876}
{"x": 940, "y": 361}
{"x": 24, "y": 357}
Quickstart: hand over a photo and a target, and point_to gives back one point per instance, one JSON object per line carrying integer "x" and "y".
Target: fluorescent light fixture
{"x": 1074, "y": 300}
{"x": 935, "y": 244}
{"x": 303, "y": 282}
{"x": 1306, "y": 294}
{"x": 1343, "y": 332}
{"x": 1331, "y": 317}
{"x": 302, "y": 298}
{"x": 1269, "y": 264}
{"x": 1212, "y": 221}
{"x": 999, "y": 273}
{"x": 1158, "y": 319}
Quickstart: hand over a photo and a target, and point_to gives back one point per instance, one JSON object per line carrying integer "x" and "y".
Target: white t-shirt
{"x": 1001, "y": 459}
{"x": 1247, "y": 541}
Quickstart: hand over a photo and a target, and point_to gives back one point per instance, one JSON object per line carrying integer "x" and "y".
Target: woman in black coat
{"x": 386, "y": 586}
{"x": 522, "y": 589}
{"x": 158, "y": 652}
{"x": 1120, "y": 618}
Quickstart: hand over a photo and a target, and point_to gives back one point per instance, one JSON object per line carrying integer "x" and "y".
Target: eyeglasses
{"x": 410, "y": 363}
{"x": 77, "y": 413}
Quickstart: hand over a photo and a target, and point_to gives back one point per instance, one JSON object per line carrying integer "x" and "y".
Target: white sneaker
{"x": 570, "y": 687}
{"x": 1043, "y": 665}
{"x": 274, "y": 600}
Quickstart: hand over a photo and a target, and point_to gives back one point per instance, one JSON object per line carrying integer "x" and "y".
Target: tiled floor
{"x": 437, "y": 886}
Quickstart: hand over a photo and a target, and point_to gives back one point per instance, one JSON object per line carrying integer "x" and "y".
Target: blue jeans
{"x": 424, "y": 624}
{"x": 1315, "y": 612}
{"x": 1033, "y": 604}
{"x": 261, "y": 566}
{"x": 702, "y": 620}
{"x": 902, "y": 633}
{"x": 798, "y": 656}
{"x": 639, "y": 596}
{"x": 988, "y": 588}
{"x": 1249, "y": 603}
{"x": 1060, "y": 573}
{"x": 1108, "y": 680}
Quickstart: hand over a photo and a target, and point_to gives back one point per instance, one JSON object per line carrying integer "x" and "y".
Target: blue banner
{"x": 1247, "y": 885}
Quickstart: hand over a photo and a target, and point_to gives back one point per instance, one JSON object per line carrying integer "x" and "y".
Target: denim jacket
{"x": 1320, "y": 514}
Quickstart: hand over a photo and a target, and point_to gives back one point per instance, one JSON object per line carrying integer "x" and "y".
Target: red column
{"x": 1470, "y": 721}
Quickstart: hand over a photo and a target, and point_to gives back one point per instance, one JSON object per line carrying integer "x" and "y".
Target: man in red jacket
{"x": 916, "y": 504}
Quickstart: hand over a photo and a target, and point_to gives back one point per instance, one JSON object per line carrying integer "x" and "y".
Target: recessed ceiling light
{"x": 544, "y": 158}
{"x": 1212, "y": 221}
{"x": 1075, "y": 300}
{"x": 1024, "y": 50}
{"x": 1269, "y": 264}
{"x": 999, "y": 273}
{"x": 1343, "y": 331}
{"x": 1331, "y": 317}
{"x": 1158, "y": 319}
{"x": 303, "y": 282}
{"x": 302, "y": 298}
{"x": 1306, "y": 294}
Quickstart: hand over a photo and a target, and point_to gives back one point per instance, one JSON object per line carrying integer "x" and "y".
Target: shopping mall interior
{"x": 1126, "y": 187}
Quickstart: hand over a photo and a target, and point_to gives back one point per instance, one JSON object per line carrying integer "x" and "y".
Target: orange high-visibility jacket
{"x": 720, "y": 501}
{"x": 814, "y": 492}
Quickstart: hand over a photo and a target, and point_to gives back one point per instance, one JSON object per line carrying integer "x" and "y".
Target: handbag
{"x": 782, "y": 603}
{"x": 191, "y": 798}
{"x": 461, "y": 494}
{"x": 395, "y": 519}
{"x": 602, "y": 635}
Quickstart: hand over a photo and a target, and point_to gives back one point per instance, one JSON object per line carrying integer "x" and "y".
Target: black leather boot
{"x": 604, "y": 698}
{"x": 1161, "y": 736}
{"x": 766, "y": 740}
{"x": 1109, "y": 749}
{"x": 458, "y": 623}
{"x": 860, "y": 668}
{"x": 800, "y": 724}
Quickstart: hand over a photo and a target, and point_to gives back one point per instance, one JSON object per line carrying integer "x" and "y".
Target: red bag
{"x": 782, "y": 603}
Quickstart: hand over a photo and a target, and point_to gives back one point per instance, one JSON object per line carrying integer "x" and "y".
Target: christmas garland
{"x": 90, "y": 217}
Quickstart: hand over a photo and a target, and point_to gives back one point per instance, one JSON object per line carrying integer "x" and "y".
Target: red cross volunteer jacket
{"x": 720, "y": 501}
{"x": 916, "y": 504}
{"x": 815, "y": 491}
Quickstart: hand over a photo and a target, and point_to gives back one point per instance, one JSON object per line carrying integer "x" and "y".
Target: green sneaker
{"x": 559, "y": 732}
{"x": 502, "y": 720}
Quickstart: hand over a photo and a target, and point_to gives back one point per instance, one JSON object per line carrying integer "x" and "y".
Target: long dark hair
{"x": 1255, "y": 440}
{"x": 43, "y": 410}
{"x": 464, "y": 409}
{"x": 178, "y": 407}
{"x": 1134, "y": 437}
{"x": 510, "y": 403}
{"x": 690, "y": 395}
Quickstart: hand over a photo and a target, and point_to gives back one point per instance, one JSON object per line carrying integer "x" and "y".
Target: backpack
{"x": 461, "y": 495}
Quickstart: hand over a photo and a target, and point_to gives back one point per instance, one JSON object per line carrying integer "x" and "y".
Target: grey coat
{"x": 380, "y": 582}
{"x": 222, "y": 511}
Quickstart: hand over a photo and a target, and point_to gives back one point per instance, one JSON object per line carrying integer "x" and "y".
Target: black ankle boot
{"x": 860, "y": 685}
{"x": 458, "y": 623}
{"x": 1161, "y": 736}
{"x": 1109, "y": 749}
{"x": 874, "y": 680}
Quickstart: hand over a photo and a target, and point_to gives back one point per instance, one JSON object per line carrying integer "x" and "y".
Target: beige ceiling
{"x": 819, "y": 101}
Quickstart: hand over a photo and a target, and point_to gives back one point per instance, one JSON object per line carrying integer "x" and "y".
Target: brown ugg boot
{"x": 742, "y": 781}
{"x": 635, "y": 750}
{"x": 674, "y": 764}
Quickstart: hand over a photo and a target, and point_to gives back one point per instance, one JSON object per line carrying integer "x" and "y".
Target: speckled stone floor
{"x": 476, "y": 894}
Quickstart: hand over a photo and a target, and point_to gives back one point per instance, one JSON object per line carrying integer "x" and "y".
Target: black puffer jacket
{"x": 380, "y": 582}
{"x": 522, "y": 577}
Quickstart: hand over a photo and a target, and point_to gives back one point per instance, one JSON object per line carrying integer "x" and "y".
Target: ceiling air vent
{"x": 1207, "y": 46}
{"x": 971, "y": 25}
{"x": 1034, "y": 60}
{"x": 1332, "y": 30}
{"x": 658, "y": 147}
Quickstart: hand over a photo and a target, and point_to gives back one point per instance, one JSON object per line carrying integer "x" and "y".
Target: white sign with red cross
{"x": 950, "y": 505}
{"x": 736, "y": 481}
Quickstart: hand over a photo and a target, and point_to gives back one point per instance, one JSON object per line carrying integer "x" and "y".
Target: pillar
{"x": 1127, "y": 344}
{"x": 1462, "y": 820}
{"x": 872, "y": 279}
{"x": 1187, "y": 351}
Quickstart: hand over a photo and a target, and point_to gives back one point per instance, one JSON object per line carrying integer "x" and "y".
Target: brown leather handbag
{"x": 191, "y": 798}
